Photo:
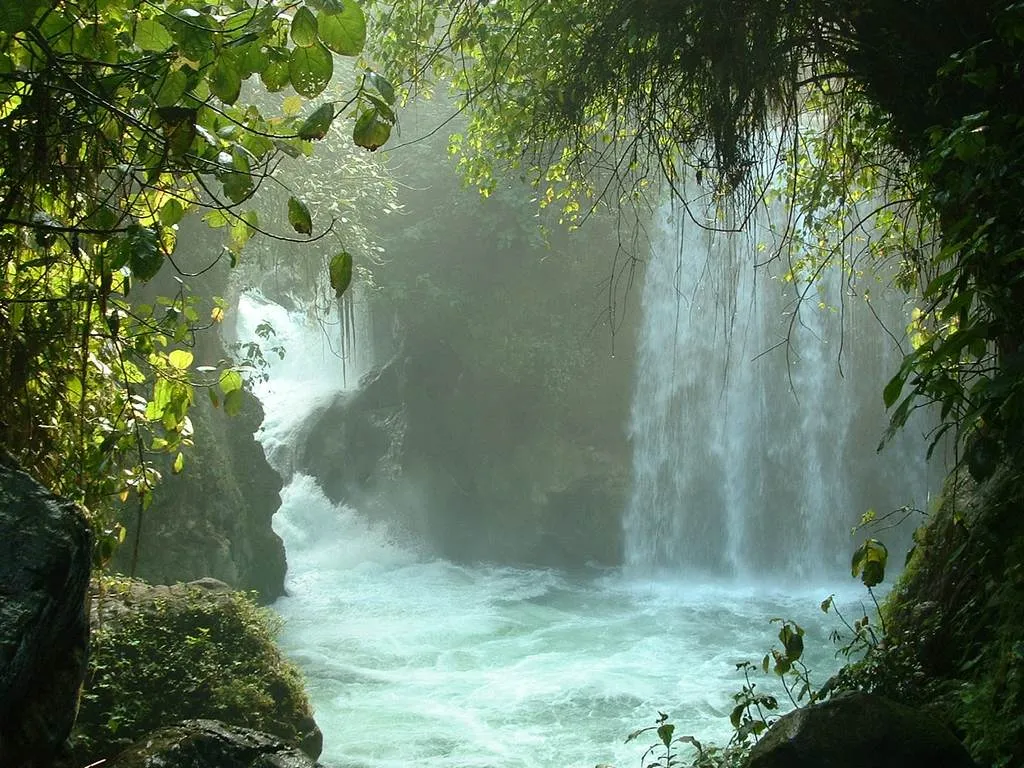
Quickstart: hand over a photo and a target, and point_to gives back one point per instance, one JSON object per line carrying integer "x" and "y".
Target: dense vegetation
{"x": 894, "y": 125}
{"x": 117, "y": 119}
{"x": 159, "y": 657}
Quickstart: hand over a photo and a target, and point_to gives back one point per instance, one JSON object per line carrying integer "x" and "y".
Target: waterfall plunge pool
{"x": 414, "y": 660}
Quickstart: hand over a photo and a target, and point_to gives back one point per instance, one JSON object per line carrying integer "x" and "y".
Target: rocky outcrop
{"x": 45, "y": 556}
{"x": 210, "y": 744}
{"x": 854, "y": 730}
{"x": 214, "y": 519}
{"x": 162, "y": 654}
{"x": 467, "y": 465}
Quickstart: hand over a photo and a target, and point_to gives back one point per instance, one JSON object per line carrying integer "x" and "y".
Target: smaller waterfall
{"x": 756, "y": 416}
{"x": 324, "y": 353}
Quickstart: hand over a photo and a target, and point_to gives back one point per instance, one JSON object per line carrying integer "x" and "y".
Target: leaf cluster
{"x": 118, "y": 119}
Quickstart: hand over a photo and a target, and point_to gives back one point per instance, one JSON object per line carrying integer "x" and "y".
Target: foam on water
{"x": 411, "y": 659}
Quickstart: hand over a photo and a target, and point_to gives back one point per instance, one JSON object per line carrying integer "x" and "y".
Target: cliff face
{"x": 214, "y": 519}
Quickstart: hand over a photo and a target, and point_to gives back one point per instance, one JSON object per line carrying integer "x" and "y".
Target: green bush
{"x": 189, "y": 653}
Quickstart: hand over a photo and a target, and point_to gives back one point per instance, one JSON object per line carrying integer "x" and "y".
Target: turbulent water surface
{"x": 413, "y": 660}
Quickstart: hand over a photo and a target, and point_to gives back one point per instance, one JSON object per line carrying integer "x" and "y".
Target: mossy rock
{"x": 161, "y": 655}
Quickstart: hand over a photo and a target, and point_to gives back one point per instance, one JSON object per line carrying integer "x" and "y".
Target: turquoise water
{"x": 414, "y": 660}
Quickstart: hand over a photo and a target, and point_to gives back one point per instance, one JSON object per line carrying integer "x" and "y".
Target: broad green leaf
{"x": 171, "y": 212}
{"x": 371, "y": 132}
{"x": 304, "y": 28}
{"x": 310, "y": 70}
{"x": 180, "y": 359}
{"x": 665, "y": 733}
{"x": 892, "y": 390}
{"x": 344, "y": 32}
{"x": 340, "y": 272}
{"x": 869, "y": 562}
{"x": 225, "y": 80}
{"x": 275, "y": 76}
{"x": 317, "y": 124}
{"x": 171, "y": 89}
{"x": 381, "y": 85}
{"x": 179, "y": 463}
{"x": 298, "y": 216}
{"x": 230, "y": 381}
{"x": 151, "y": 35}
{"x": 144, "y": 257}
{"x": 233, "y": 402}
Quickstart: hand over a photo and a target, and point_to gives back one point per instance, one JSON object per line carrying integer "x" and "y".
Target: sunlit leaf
{"x": 230, "y": 381}
{"x": 151, "y": 35}
{"x": 179, "y": 463}
{"x": 310, "y": 70}
{"x": 340, "y": 272}
{"x": 344, "y": 32}
{"x": 304, "y": 27}
{"x": 180, "y": 359}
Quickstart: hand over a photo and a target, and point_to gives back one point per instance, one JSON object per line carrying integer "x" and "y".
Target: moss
{"x": 162, "y": 655}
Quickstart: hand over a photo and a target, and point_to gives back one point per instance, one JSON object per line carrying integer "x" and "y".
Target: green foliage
{"x": 116, "y": 122}
{"x": 194, "y": 654}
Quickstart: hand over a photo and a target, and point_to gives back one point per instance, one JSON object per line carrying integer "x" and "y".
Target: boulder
{"x": 858, "y": 730}
{"x": 210, "y": 744}
{"x": 45, "y": 556}
{"x": 207, "y": 649}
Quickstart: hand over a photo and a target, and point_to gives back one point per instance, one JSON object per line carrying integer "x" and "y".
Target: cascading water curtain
{"x": 757, "y": 410}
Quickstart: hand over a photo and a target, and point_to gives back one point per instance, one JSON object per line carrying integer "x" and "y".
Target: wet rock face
{"x": 45, "y": 556}
{"x": 210, "y": 744}
{"x": 463, "y": 465}
{"x": 854, "y": 730}
{"x": 214, "y": 519}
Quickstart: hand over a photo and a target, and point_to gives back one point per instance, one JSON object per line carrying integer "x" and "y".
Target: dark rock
{"x": 858, "y": 730}
{"x": 45, "y": 557}
{"x": 235, "y": 642}
{"x": 210, "y": 744}
{"x": 465, "y": 466}
{"x": 214, "y": 519}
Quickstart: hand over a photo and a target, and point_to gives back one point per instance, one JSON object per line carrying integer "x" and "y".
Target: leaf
{"x": 275, "y": 75}
{"x": 310, "y": 70}
{"x": 869, "y": 562}
{"x": 317, "y": 124}
{"x": 151, "y": 35}
{"x": 665, "y": 733}
{"x": 233, "y": 402}
{"x": 144, "y": 257}
{"x": 304, "y": 28}
{"x": 340, "y": 271}
{"x": 380, "y": 84}
{"x": 225, "y": 80}
{"x": 892, "y": 390}
{"x": 17, "y": 15}
{"x": 230, "y": 381}
{"x": 298, "y": 216}
{"x": 344, "y": 31}
{"x": 371, "y": 132}
{"x": 171, "y": 212}
{"x": 179, "y": 463}
{"x": 180, "y": 359}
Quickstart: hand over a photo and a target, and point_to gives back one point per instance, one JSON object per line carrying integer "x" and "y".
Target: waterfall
{"x": 325, "y": 349}
{"x": 756, "y": 416}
